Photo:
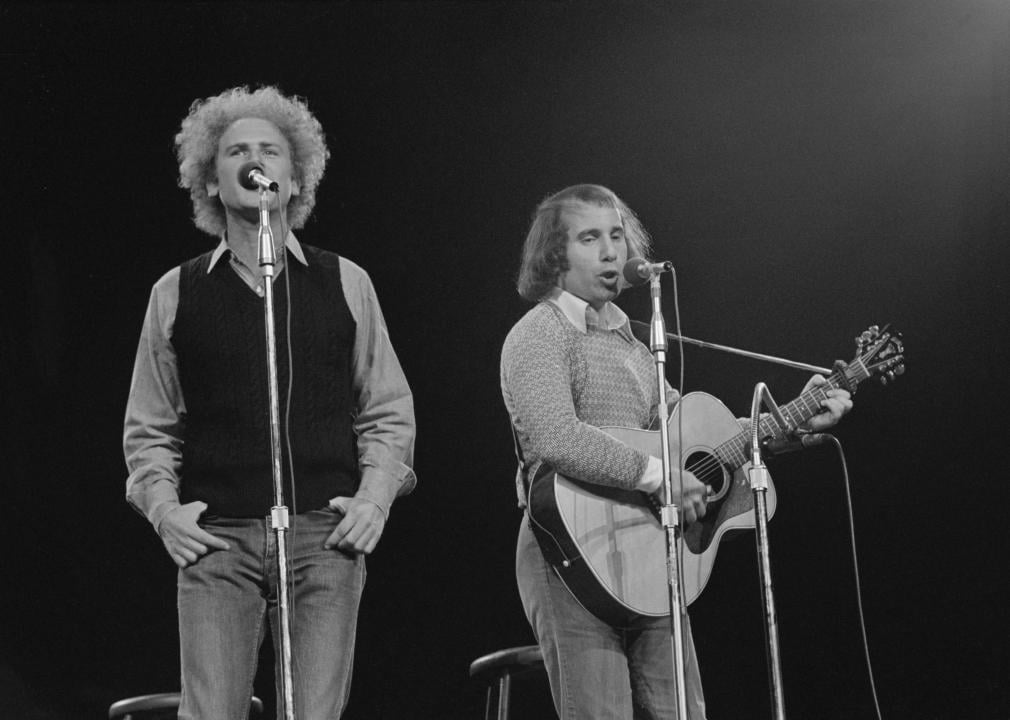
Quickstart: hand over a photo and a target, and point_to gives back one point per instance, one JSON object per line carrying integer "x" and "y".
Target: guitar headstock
{"x": 881, "y": 352}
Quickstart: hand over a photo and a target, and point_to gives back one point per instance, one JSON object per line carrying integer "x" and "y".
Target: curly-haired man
{"x": 197, "y": 431}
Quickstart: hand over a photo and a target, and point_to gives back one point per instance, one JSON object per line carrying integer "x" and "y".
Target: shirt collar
{"x": 583, "y": 316}
{"x": 291, "y": 244}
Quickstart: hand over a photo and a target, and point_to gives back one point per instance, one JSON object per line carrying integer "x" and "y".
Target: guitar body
{"x": 609, "y": 546}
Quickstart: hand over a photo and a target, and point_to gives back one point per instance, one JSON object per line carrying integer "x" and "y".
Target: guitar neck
{"x": 735, "y": 452}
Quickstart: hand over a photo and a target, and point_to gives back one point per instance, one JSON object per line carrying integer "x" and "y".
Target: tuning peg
{"x": 868, "y": 336}
{"x": 892, "y": 374}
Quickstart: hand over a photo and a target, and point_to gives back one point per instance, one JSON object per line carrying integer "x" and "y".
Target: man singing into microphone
{"x": 197, "y": 434}
{"x": 569, "y": 367}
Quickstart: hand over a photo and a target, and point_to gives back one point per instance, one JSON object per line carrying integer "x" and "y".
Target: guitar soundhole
{"x": 707, "y": 468}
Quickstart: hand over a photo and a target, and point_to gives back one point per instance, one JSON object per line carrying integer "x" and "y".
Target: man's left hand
{"x": 361, "y": 527}
{"x": 835, "y": 405}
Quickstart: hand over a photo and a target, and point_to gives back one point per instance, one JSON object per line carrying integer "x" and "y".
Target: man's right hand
{"x": 695, "y": 492}
{"x": 694, "y": 498}
{"x": 186, "y": 541}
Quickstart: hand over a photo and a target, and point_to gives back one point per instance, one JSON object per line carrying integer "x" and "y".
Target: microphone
{"x": 639, "y": 270}
{"x": 777, "y": 446}
{"x": 251, "y": 177}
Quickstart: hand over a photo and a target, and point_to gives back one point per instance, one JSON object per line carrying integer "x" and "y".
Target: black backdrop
{"x": 811, "y": 168}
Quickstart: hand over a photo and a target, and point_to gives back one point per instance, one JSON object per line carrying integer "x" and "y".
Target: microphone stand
{"x": 279, "y": 521}
{"x": 670, "y": 513}
{"x": 758, "y": 474}
{"x": 759, "y": 482}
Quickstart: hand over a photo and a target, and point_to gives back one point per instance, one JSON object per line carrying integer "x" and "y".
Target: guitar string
{"x": 731, "y": 451}
{"x": 811, "y": 400}
{"x": 712, "y": 465}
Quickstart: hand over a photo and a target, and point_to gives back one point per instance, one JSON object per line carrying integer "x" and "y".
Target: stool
{"x": 498, "y": 668}
{"x": 159, "y": 705}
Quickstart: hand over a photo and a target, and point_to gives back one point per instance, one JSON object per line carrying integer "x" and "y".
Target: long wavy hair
{"x": 208, "y": 119}
{"x": 545, "y": 251}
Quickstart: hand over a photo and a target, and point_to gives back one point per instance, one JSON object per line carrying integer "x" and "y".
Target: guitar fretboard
{"x": 735, "y": 452}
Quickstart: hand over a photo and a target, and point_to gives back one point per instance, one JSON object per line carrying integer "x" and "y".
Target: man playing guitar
{"x": 569, "y": 367}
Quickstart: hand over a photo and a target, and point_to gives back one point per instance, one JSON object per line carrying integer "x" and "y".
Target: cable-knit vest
{"x": 220, "y": 340}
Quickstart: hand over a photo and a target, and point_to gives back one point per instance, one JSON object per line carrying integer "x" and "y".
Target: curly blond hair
{"x": 209, "y": 118}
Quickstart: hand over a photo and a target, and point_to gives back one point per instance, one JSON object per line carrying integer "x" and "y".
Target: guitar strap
{"x": 521, "y": 469}
{"x": 523, "y": 477}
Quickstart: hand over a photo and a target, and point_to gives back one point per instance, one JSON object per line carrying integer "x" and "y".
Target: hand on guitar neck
{"x": 837, "y": 402}
{"x": 691, "y": 494}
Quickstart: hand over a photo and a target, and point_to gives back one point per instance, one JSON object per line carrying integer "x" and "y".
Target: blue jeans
{"x": 599, "y": 672}
{"x": 225, "y": 597}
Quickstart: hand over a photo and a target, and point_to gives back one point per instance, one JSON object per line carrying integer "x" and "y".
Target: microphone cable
{"x": 855, "y": 566}
{"x": 287, "y": 417}
{"x": 680, "y": 419}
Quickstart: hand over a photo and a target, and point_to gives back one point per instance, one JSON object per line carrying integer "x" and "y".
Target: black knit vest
{"x": 220, "y": 340}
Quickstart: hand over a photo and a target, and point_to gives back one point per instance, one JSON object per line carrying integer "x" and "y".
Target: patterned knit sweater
{"x": 560, "y": 385}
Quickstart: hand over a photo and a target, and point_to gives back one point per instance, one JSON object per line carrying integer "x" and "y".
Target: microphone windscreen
{"x": 632, "y": 274}
{"x": 243, "y": 175}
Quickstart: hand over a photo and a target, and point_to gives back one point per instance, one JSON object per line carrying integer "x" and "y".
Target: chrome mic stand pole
{"x": 279, "y": 520}
{"x": 670, "y": 512}
{"x": 758, "y": 473}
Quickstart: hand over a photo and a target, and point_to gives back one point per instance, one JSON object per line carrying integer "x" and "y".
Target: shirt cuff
{"x": 652, "y": 478}
{"x": 159, "y": 511}
{"x": 154, "y": 500}
{"x": 382, "y": 488}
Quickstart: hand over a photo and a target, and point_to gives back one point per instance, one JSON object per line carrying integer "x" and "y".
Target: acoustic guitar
{"x": 608, "y": 545}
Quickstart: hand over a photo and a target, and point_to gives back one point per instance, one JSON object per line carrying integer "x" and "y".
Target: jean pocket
{"x": 207, "y": 519}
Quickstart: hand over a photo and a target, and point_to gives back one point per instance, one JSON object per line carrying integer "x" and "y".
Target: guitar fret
{"x": 735, "y": 452}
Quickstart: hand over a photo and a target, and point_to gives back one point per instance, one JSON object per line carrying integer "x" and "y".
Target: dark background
{"x": 810, "y": 167}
